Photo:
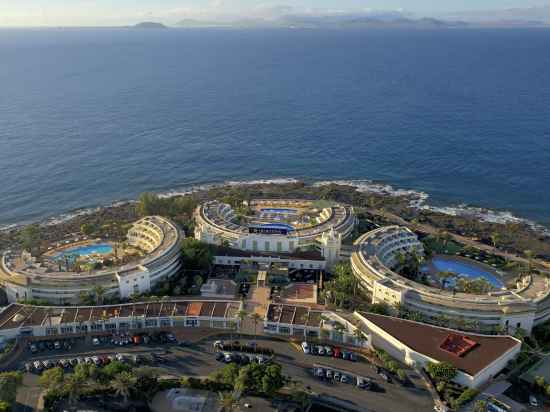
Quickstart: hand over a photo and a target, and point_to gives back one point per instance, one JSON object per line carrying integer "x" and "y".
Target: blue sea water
{"x": 88, "y": 116}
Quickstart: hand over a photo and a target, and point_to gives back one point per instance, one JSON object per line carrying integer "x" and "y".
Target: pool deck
{"x": 483, "y": 267}
{"x": 82, "y": 243}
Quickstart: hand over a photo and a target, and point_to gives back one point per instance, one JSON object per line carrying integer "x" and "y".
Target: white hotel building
{"x": 25, "y": 278}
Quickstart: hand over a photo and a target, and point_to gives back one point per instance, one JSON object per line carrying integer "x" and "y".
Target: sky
{"x": 123, "y": 12}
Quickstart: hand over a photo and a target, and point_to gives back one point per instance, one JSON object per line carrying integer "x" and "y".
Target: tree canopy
{"x": 442, "y": 371}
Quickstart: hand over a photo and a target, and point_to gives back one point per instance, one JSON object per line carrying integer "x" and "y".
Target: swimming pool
{"x": 277, "y": 226}
{"x": 96, "y": 249}
{"x": 279, "y": 210}
{"x": 463, "y": 268}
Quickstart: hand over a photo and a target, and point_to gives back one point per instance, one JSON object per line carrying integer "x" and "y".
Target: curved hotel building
{"x": 375, "y": 257}
{"x": 158, "y": 239}
{"x": 276, "y": 226}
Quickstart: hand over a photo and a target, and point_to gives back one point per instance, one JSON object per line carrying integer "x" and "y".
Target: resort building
{"x": 276, "y": 226}
{"x": 37, "y": 321}
{"x": 303, "y": 322}
{"x": 307, "y": 260}
{"x": 478, "y": 358}
{"x": 155, "y": 243}
{"x": 375, "y": 257}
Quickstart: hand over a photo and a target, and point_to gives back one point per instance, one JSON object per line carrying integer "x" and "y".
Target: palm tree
{"x": 122, "y": 384}
{"x": 359, "y": 337}
{"x": 255, "y": 318}
{"x": 73, "y": 386}
{"x": 443, "y": 276}
{"x": 242, "y": 315}
{"x": 228, "y": 401}
{"x": 324, "y": 333}
{"x": 530, "y": 264}
{"x": 306, "y": 322}
{"x": 495, "y": 239}
{"x": 99, "y": 294}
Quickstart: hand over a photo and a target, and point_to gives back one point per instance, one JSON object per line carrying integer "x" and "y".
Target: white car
{"x": 533, "y": 401}
{"x": 320, "y": 350}
{"x": 95, "y": 342}
{"x": 328, "y": 350}
{"x": 37, "y": 365}
{"x": 96, "y": 360}
{"x": 305, "y": 347}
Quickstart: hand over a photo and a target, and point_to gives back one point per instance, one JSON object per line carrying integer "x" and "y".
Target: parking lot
{"x": 198, "y": 359}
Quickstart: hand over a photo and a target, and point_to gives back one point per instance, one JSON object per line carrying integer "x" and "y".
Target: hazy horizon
{"x": 37, "y": 13}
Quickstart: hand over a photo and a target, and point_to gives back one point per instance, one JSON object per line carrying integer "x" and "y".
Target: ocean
{"x": 91, "y": 116}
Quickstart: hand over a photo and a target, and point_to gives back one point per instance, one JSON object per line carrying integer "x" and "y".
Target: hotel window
{"x": 291, "y": 245}
{"x": 279, "y": 246}
{"x": 243, "y": 244}
{"x": 254, "y": 245}
{"x": 192, "y": 322}
{"x": 267, "y": 246}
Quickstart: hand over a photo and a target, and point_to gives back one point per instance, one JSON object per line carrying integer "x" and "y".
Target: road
{"x": 198, "y": 360}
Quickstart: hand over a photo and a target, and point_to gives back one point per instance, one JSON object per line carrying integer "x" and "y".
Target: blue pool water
{"x": 464, "y": 269}
{"x": 278, "y": 226}
{"x": 285, "y": 211}
{"x": 98, "y": 249}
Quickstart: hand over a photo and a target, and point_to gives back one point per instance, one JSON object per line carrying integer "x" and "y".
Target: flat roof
{"x": 16, "y": 315}
{"x": 427, "y": 339}
{"x": 297, "y": 255}
{"x": 293, "y": 314}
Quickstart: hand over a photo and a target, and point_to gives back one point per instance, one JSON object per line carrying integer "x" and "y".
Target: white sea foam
{"x": 187, "y": 190}
{"x": 419, "y": 200}
{"x": 416, "y": 199}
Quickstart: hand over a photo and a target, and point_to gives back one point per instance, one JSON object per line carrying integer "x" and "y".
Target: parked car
{"x": 313, "y": 350}
{"x": 28, "y": 367}
{"x": 345, "y": 355}
{"x": 328, "y": 350}
{"x": 353, "y": 356}
{"x": 136, "y": 339}
{"x": 146, "y": 339}
{"x": 57, "y": 345}
{"x": 330, "y": 374}
{"x": 33, "y": 348}
{"x": 261, "y": 359}
{"x": 96, "y": 342}
{"x": 305, "y": 347}
{"x": 320, "y": 350}
{"x": 88, "y": 360}
{"x": 533, "y": 401}
{"x": 337, "y": 352}
{"x": 37, "y": 366}
{"x": 220, "y": 356}
{"x": 364, "y": 383}
{"x": 385, "y": 376}
{"x": 337, "y": 375}
{"x": 344, "y": 378}
{"x": 227, "y": 357}
{"x": 171, "y": 338}
{"x": 320, "y": 372}
{"x": 218, "y": 345}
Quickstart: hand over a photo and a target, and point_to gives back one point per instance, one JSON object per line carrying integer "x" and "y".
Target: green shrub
{"x": 465, "y": 397}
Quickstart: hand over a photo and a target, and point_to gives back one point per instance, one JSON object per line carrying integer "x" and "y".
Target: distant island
{"x": 149, "y": 25}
